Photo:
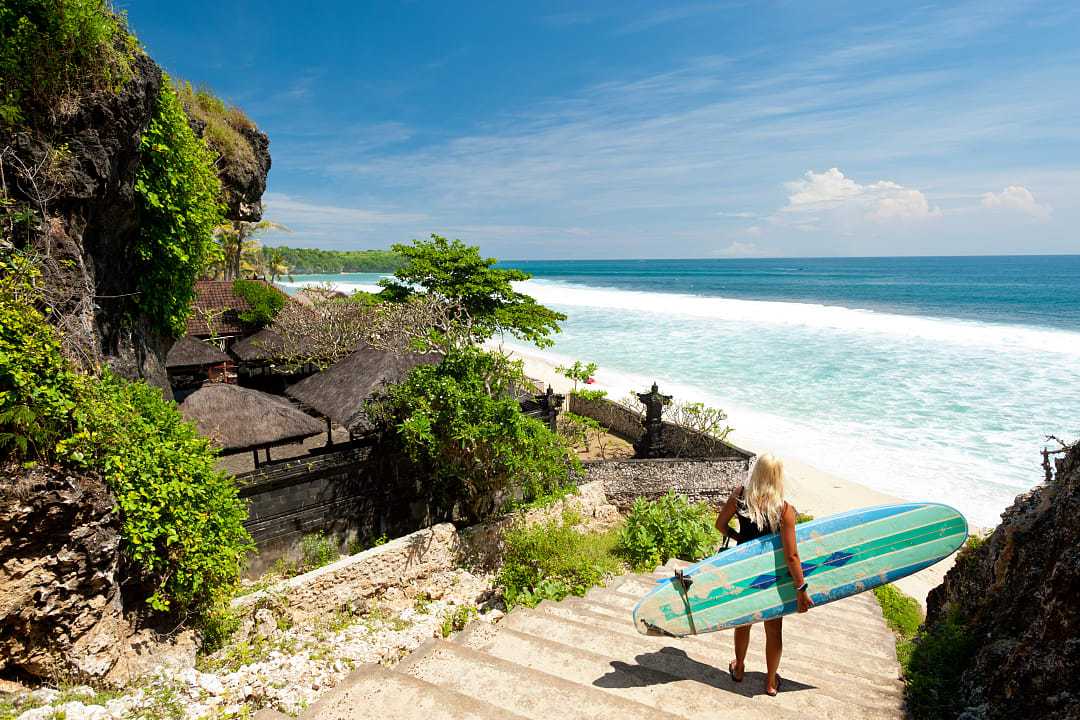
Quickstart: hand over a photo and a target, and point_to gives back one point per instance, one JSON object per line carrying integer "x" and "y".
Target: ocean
{"x": 926, "y": 378}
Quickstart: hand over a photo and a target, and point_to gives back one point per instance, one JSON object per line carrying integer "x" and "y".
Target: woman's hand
{"x": 803, "y": 601}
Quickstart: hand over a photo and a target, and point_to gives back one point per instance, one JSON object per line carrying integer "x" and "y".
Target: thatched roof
{"x": 241, "y": 419}
{"x": 311, "y": 296}
{"x": 340, "y": 391}
{"x": 192, "y": 352}
{"x": 263, "y": 345}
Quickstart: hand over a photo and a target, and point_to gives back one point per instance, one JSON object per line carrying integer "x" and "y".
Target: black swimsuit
{"x": 748, "y": 529}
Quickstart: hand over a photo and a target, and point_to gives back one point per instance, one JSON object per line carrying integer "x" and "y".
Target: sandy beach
{"x": 809, "y": 489}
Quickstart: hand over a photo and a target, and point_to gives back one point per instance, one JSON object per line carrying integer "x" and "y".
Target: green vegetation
{"x": 591, "y": 394}
{"x": 266, "y": 301}
{"x": 182, "y": 519}
{"x": 455, "y": 620}
{"x": 38, "y": 388}
{"x": 178, "y": 197}
{"x": 903, "y": 615}
{"x": 803, "y": 517}
{"x": 579, "y": 372}
{"x": 459, "y": 422}
{"x": 937, "y": 660}
{"x": 456, "y": 272}
{"x": 552, "y": 560}
{"x": 54, "y": 54}
{"x": 303, "y": 261}
{"x": 669, "y": 527}
{"x": 223, "y": 125}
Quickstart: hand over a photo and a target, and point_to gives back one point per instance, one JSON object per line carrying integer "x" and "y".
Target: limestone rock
{"x": 1018, "y": 593}
{"x": 61, "y": 610}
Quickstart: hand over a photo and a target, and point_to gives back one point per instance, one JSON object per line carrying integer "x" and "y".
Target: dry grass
{"x": 224, "y": 124}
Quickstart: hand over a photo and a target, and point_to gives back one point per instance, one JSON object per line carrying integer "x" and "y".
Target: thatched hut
{"x": 339, "y": 392}
{"x": 265, "y": 346}
{"x": 190, "y": 362}
{"x": 240, "y": 419}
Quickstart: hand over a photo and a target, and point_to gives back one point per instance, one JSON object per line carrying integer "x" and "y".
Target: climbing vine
{"x": 179, "y": 204}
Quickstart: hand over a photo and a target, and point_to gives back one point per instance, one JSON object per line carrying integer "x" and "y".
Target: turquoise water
{"x": 927, "y": 378}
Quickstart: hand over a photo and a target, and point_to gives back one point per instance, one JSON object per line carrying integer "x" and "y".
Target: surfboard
{"x": 841, "y": 555}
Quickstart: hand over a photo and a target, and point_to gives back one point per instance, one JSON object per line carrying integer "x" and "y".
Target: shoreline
{"x": 811, "y": 490}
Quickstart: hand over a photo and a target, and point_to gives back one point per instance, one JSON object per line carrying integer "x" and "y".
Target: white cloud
{"x": 290, "y": 210}
{"x": 1019, "y": 198}
{"x": 739, "y": 249}
{"x": 832, "y": 191}
{"x": 743, "y": 215}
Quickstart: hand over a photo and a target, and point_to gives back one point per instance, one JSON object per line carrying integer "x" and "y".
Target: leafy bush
{"x": 591, "y": 394}
{"x": 669, "y": 527}
{"x": 455, "y": 620}
{"x": 903, "y": 615}
{"x": 460, "y": 424}
{"x": 579, "y": 372}
{"x": 551, "y": 560}
{"x": 934, "y": 667}
{"x": 52, "y": 54}
{"x": 317, "y": 550}
{"x": 265, "y": 301}
{"x": 183, "y": 521}
{"x": 37, "y": 386}
{"x": 454, "y": 271}
{"x": 577, "y": 428}
{"x": 178, "y": 198}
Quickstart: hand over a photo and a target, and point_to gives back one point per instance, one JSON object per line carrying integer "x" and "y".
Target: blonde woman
{"x": 761, "y": 509}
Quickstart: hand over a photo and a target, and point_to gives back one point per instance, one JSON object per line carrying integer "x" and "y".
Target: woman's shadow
{"x": 672, "y": 664}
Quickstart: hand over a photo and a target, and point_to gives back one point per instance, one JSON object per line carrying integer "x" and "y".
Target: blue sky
{"x": 646, "y": 129}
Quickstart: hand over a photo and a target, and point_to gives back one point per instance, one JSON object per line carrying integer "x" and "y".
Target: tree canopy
{"x": 456, "y": 272}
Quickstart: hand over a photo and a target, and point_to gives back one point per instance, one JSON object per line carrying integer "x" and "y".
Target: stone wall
{"x": 348, "y": 493}
{"x": 679, "y": 441}
{"x": 708, "y": 481}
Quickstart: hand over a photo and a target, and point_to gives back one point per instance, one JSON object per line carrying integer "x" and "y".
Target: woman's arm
{"x": 791, "y": 556}
{"x": 723, "y": 520}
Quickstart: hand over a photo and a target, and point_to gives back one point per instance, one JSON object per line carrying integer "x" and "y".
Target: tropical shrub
{"x": 579, "y": 372}
{"x": 934, "y": 667}
{"x": 37, "y": 385}
{"x": 182, "y": 518}
{"x": 54, "y": 53}
{"x": 265, "y": 301}
{"x": 456, "y": 272}
{"x": 551, "y": 560}
{"x": 179, "y": 207}
{"x": 459, "y": 423}
{"x": 665, "y": 528}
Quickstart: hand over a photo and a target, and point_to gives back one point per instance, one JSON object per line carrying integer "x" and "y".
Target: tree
{"x": 456, "y": 272}
{"x": 275, "y": 265}
{"x": 579, "y": 372}
{"x": 239, "y": 243}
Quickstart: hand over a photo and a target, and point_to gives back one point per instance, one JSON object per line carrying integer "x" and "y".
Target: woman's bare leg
{"x": 742, "y": 642}
{"x": 774, "y": 648}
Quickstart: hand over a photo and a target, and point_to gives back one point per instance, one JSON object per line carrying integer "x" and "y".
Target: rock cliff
{"x": 1017, "y": 594}
{"x": 77, "y": 169}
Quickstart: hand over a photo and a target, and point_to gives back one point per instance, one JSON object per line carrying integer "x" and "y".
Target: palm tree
{"x": 275, "y": 265}
{"x": 238, "y": 240}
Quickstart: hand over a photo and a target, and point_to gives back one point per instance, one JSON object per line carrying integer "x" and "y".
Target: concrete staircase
{"x": 582, "y": 658}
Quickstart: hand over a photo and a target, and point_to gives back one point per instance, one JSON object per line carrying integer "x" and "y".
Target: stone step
{"x": 817, "y": 627}
{"x": 832, "y": 673}
{"x": 515, "y": 688}
{"x": 374, "y": 691}
{"x": 671, "y": 679}
{"x": 796, "y": 644}
{"x": 640, "y": 683}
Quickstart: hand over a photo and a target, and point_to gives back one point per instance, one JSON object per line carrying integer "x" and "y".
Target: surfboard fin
{"x": 682, "y": 580}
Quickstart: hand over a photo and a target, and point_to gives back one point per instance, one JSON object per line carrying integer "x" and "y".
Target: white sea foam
{"x": 808, "y": 315}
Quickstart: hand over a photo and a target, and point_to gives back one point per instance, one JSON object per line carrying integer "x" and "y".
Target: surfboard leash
{"x": 683, "y": 582}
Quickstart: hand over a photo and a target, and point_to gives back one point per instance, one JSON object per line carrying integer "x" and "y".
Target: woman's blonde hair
{"x": 764, "y": 492}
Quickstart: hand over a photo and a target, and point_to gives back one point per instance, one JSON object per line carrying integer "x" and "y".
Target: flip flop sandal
{"x": 779, "y": 682}
{"x": 731, "y": 672}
